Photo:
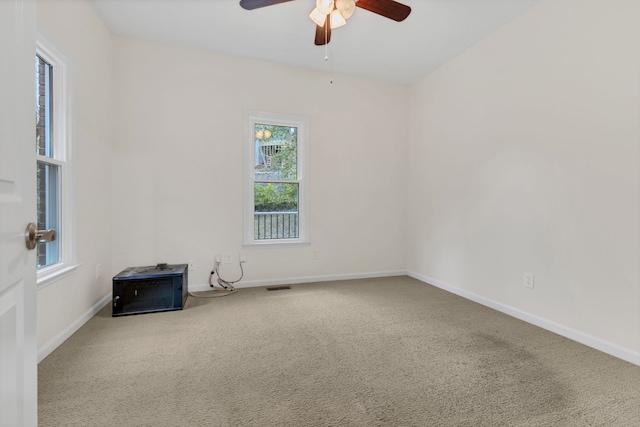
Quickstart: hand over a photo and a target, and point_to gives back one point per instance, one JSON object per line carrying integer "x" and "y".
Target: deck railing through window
{"x": 276, "y": 225}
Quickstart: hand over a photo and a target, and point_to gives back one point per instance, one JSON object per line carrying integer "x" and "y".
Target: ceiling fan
{"x": 330, "y": 14}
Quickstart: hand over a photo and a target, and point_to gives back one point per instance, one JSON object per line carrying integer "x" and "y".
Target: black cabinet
{"x": 139, "y": 290}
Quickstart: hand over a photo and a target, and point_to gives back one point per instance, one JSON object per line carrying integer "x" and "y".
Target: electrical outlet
{"x": 98, "y": 271}
{"x": 218, "y": 258}
{"x": 243, "y": 256}
{"x": 192, "y": 265}
{"x": 316, "y": 255}
{"x": 227, "y": 258}
{"x": 528, "y": 280}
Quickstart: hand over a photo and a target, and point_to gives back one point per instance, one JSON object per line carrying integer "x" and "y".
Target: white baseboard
{"x": 588, "y": 340}
{"x": 48, "y": 348}
{"x": 306, "y": 279}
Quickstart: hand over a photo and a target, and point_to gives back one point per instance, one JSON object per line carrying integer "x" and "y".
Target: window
{"x": 54, "y": 173}
{"x": 48, "y": 167}
{"x": 275, "y": 188}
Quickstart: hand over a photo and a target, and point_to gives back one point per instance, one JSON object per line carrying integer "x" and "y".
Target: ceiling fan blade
{"x": 388, "y": 8}
{"x": 323, "y": 38}
{"x": 257, "y": 4}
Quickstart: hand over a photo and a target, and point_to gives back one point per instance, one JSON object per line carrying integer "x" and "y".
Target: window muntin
{"x": 275, "y": 188}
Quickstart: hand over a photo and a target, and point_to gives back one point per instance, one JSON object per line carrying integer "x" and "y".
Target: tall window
{"x": 48, "y": 166}
{"x": 54, "y": 172}
{"x": 275, "y": 179}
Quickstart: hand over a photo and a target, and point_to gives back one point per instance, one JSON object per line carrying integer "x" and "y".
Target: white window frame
{"x": 302, "y": 124}
{"x": 63, "y": 156}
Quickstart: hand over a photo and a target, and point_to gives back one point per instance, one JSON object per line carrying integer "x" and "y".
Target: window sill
{"x": 273, "y": 245}
{"x": 52, "y": 274}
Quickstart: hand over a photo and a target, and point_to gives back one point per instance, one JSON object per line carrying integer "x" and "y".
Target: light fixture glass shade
{"x": 325, "y": 6}
{"x": 336, "y": 20}
{"x": 346, "y": 7}
{"x": 318, "y": 17}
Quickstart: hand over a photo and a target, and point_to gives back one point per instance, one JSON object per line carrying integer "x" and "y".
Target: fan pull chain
{"x": 328, "y": 56}
{"x": 326, "y": 49}
{"x": 331, "y": 79}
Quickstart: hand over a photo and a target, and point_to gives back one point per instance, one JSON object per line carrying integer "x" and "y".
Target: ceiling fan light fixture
{"x": 336, "y": 19}
{"x": 318, "y": 17}
{"x": 325, "y": 6}
{"x": 330, "y": 14}
{"x": 346, "y": 7}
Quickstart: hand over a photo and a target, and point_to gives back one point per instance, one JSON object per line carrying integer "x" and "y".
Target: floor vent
{"x": 278, "y": 288}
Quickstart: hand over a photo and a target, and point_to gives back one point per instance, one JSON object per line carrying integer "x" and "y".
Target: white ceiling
{"x": 368, "y": 46}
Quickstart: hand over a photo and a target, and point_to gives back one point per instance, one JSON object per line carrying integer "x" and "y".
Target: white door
{"x": 18, "y": 347}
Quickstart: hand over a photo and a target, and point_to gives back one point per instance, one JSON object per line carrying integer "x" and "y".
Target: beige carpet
{"x": 380, "y": 352}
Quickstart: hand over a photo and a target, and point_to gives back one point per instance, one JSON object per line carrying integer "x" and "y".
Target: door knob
{"x": 33, "y": 236}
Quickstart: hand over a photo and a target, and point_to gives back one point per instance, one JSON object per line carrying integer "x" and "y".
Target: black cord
{"x": 226, "y": 284}
{"x": 226, "y": 281}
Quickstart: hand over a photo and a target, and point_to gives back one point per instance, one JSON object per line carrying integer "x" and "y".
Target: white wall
{"x": 79, "y": 33}
{"x": 177, "y": 170}
{"x": 524, "y": 157}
